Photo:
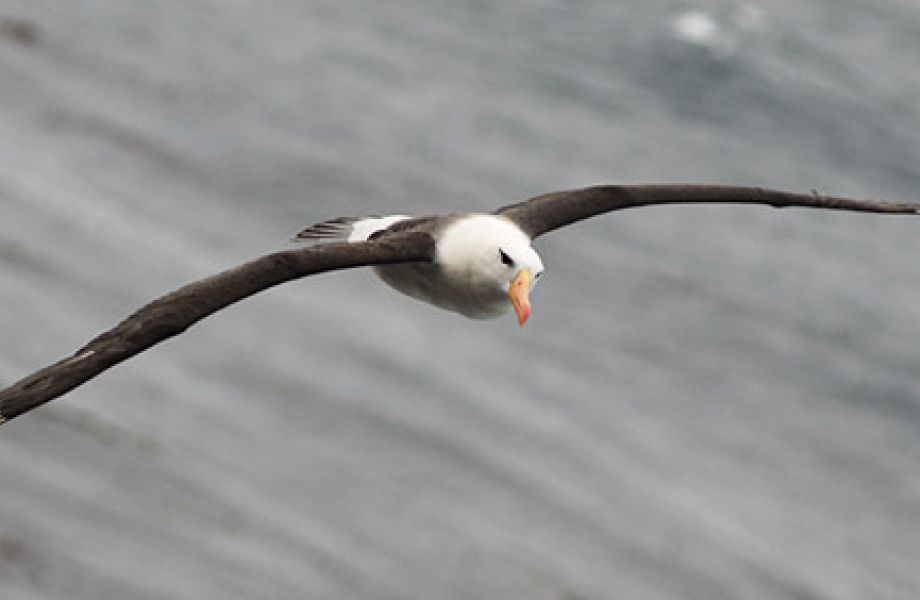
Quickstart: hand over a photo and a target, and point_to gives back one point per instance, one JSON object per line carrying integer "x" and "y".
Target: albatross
{"x": 480, "y": 265}
{"x": 483, "y": 263}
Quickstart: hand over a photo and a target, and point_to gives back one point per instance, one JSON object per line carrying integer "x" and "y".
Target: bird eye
{"x": 506, "y": 260}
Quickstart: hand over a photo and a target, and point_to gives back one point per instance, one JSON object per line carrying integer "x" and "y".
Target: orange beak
{"x": 519, "y": 293}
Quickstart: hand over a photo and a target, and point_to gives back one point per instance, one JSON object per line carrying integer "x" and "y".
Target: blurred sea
{"x": 708, "y": 402}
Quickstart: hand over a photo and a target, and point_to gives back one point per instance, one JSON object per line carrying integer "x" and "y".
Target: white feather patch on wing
{"x": 365, "y": 228}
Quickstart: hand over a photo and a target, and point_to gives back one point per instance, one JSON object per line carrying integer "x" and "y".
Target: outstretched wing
{"x": 177, "y": 311}
{"x": 545, "y": 213}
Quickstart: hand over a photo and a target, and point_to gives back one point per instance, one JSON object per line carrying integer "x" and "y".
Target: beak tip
{"x": 522, "y": 318}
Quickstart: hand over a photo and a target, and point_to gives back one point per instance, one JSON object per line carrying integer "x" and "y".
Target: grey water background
{"x": 708, "y": 402}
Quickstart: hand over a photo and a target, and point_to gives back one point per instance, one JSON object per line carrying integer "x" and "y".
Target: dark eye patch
{"x": 506, "y": 260}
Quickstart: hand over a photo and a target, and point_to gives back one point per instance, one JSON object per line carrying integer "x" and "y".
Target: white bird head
{"x": 522, "y": 269}
{"x": 494, "y": 258}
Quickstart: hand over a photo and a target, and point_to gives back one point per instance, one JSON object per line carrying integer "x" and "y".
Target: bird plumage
{"x": 474, "y": 264}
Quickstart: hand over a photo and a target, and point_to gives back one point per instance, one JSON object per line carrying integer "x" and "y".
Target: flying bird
{"x": 480, "y": 265}
{"x": 483, "y": 264}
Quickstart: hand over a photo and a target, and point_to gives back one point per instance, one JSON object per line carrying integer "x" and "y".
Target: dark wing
{"x": 551, "y": 211}
{"x": 177, "y": 311}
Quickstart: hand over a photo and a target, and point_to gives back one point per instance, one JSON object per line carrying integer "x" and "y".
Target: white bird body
{"x": 478, "y": 257}
{"x": 467, "y": 275}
